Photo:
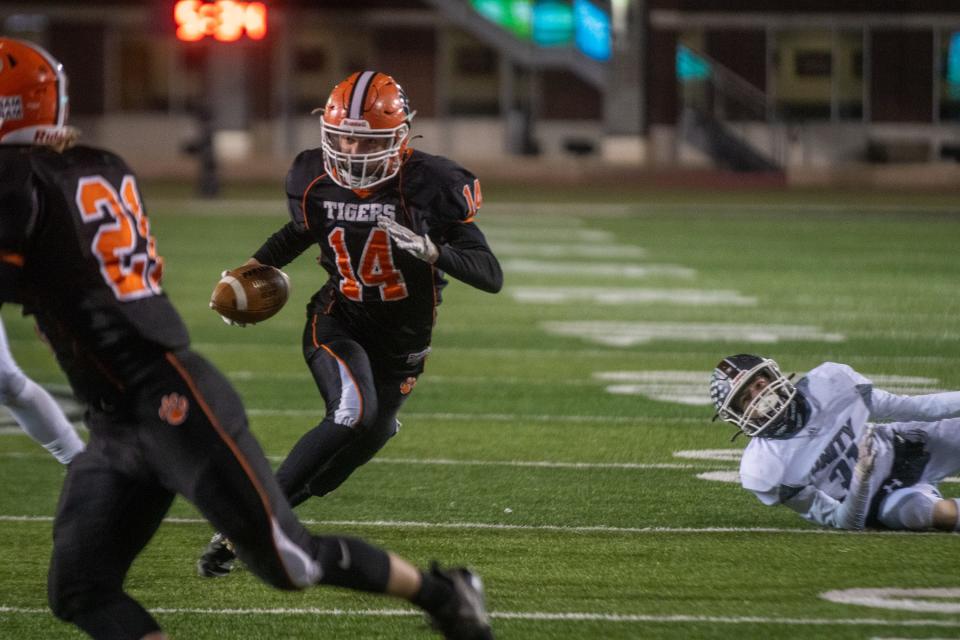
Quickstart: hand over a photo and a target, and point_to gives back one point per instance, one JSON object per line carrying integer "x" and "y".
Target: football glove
{"x": 421, "y": 247}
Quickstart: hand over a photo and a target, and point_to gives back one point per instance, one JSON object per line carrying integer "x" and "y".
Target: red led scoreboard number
{"x": 225, "y": 20}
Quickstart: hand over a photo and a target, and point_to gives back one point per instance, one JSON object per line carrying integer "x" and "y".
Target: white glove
{"x": 421, "y": 247}
{"x": 867, "y": 454}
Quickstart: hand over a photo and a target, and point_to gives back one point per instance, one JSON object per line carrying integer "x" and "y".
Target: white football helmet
{"x": 771, "y": 412}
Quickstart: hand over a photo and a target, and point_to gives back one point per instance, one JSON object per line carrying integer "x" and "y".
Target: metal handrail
{"x": 722, "y": 88}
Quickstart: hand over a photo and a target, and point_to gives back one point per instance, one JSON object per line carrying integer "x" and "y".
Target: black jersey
{"x": 76, "y": 251}
{"x": 382, "y": 292}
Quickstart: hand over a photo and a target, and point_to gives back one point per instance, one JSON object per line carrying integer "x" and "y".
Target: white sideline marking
{"x": 544, "y": 616}
{"x": 543, "y": 464}
{"x": 623, "y": 295}
{"x": 727, "y": 455}
{"x": 540, "y": 234}
{"x": 942, "y": 600}
{"x": 542, "y": 250}
{"x": 504, "y": 213}
{"x": 489, "y": 526}
{"x": 539, "y": 267}
{"x": 504, "y": 417}
{"x": 720, "y": 476}
{"x": 689, "y": 387}
{"x": 627, "y": 334}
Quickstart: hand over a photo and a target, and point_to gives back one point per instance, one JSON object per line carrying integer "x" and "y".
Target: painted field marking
{"x": 626, "y": 334}
{"x": 597, "y": 270}
{"x": 292, "y": 347}
{"x": 690, "y": 387}
{"x": 541, "y": 616}
{"x": 627, "y": 295}
{"x": 638, "y": 419}
{"x": 558, "y": 250}
{"x": 540, "y": 464}
{"x": 727, "y": 455}
{"x": 941, "y": 600}
{"x": 556, "y": 214}
{"x": 540, "y": 234}
{"x": 489, "y": 526}
{"x": 720, "y": 476}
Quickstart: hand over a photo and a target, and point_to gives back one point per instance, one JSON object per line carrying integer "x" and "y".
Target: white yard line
{"x": 558, "y": 214}
{"x": 491, "y": 526}
{"x": 542, "y": 616}
{"x": 503, "y": 417}
{"x": 628, "y": 295}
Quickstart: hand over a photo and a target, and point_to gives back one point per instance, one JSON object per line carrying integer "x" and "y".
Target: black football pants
{"x": 183, "y": 431}
{"x": 362, "y": 392}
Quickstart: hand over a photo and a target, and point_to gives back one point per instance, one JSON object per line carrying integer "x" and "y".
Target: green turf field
{"x": 556, "y": 440}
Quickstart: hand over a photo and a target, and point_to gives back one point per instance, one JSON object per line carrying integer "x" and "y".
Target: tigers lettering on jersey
{"x": 358, "y": 212}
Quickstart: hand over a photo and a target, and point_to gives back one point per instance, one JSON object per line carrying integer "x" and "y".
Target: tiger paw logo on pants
{"x": 407, "y": 385}
{"x": 173, "y": 409}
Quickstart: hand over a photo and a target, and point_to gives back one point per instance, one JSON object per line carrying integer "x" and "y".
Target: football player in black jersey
{"x": 390, "y": 222}
{"x": 76, "y": 251}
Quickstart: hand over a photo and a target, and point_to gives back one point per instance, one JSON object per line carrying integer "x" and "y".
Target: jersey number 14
{"x": 376, "y": 267}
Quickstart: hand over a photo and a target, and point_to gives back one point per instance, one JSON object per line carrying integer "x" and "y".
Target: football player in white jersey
{"x": 37, "y": 413}
{"x": 838, "y": 451}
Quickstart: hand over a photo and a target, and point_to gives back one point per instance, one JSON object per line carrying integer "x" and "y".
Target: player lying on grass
{"x": 838, "y": 451}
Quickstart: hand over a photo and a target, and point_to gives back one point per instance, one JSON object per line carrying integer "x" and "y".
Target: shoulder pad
{"x": 306, "y": 168}
{"x": 450, "y": 192}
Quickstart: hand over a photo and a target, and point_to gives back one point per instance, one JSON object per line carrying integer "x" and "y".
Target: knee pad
{"x": 910, "y": 508}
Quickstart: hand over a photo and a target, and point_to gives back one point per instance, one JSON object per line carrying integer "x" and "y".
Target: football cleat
{"x": 218, "y": 558}
{"x": 464, "y": 617}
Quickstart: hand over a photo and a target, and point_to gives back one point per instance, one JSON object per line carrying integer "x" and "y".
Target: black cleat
{"x": 465, "y": 616}
{"x": 218, "y": 558}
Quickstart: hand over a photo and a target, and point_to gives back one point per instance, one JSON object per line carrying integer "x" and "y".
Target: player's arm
{"x": 467, "y": 257}
{"x": 885, "y": 406}
{"x": 462, "y": 253}
{"x": 851, "y": 512}
{"x": 284, "y": 246}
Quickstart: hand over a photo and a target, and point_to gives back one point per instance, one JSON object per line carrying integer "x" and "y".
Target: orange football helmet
{"x": 366, "y": 127}
{"x": 33, "y": 96}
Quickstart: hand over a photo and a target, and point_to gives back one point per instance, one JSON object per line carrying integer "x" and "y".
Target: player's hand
{"x": 867, "y": 454}
{"x": 421, "y": 247}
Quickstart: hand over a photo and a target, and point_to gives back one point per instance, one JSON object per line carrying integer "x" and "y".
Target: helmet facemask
{"x": 358, "y": 157}
{"x": 772, "y": 412}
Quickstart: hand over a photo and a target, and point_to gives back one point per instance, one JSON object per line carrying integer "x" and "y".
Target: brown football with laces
{"x": 250, "y": 293}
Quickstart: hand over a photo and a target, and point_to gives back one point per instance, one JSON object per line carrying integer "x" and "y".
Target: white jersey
{"x": 811, "y": 470}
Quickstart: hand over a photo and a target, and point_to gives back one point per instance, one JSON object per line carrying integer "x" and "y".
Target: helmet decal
{"x": 358, "y": 96}
{"x": 33, "y": 96}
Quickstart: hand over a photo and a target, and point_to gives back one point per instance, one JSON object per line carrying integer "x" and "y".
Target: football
{"x": 250, "y": 293}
